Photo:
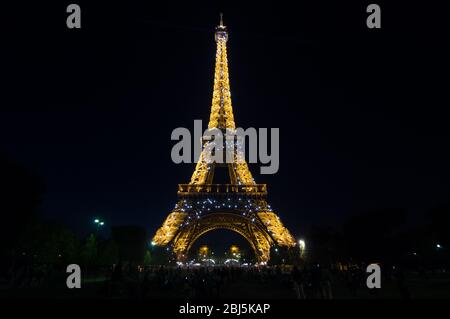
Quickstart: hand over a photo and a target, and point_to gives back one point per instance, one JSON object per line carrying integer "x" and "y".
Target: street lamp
{"x": 99, "y": 223}
{"x": 301, "y": 245}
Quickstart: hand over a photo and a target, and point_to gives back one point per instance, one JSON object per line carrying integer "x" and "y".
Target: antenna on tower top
{"x": 221, "y": 30}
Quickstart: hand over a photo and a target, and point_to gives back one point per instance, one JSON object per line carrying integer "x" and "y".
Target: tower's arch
{"x": 214, "y": 228}
{"x": 258, "y": 238}
{"x": 227, "y": 237}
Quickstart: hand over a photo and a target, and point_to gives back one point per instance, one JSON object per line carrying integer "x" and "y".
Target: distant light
{"x": 414, "y": 253}
{"x": 153, "y": 243}
{"x": 102, "y": 223}
{"x": 302, "y": 244}
{"x": 96, "y": 221}
{"x": 438, "y": 246}
{"x": 276, "y": 249}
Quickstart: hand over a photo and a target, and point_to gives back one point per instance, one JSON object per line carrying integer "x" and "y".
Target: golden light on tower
{"x": 239, "y": 206}
{"x": 235, "y": 252}
{"x": 203, "y": 251}
{"x": 234, "y": 249}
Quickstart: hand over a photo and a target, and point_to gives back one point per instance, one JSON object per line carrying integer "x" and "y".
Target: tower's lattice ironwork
{"x": 239, "y": 206}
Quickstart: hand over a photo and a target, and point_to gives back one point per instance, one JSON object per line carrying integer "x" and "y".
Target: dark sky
{"x": 363, "y": 114}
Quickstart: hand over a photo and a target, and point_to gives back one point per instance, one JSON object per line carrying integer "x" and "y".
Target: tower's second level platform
{"x": 256, "y": 190}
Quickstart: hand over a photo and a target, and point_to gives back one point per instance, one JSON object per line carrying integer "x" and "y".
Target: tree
{"x": 324, "y": 245}
{"x": 160, "y": 256}
{"x": 371, "y": 236}
{"x": 131, "y": 242}
{"x": 109, "y": 253}
{"x": 89, "y": 251}
{"x": 147, "y": 258}
{"x": 53, "y": 243}
{"x": 20, "y": 196}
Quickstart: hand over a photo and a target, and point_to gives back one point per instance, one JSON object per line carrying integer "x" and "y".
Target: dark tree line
{"x": 373, "y": 236}
{"x": 384, "y": 236}
{"x": 29, "y": 241}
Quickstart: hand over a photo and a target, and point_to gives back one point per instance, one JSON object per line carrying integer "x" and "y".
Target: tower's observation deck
{"x": 257, "y": 190}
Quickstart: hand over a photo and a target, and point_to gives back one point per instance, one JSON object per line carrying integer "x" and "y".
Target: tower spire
{"x": 221, "y": 109}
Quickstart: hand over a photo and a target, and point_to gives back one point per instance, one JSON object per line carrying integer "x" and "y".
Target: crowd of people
{"x": 24, "y": 275}
{"x": 313, "y": 282}
{"x": 131, "y": 281}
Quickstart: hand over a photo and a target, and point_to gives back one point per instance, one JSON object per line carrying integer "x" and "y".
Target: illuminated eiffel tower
{"x": 239, "y": 206}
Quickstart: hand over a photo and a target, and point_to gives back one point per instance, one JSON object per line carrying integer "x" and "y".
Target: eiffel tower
{"x": 239, "y": 206}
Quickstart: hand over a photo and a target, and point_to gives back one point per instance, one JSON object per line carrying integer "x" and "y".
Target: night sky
{"x": 363, "y": 114}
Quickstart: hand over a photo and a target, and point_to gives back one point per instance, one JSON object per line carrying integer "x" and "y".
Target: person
{"x": 326, "y": 284}
{"x": 117, "y": 274}
{"x": 316, "y": 280}
{"x": 352, "y": 281}
{"x": 145, "y": 286}
{"x": 401, "y": 285}
{"x": 298, "y": 282}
